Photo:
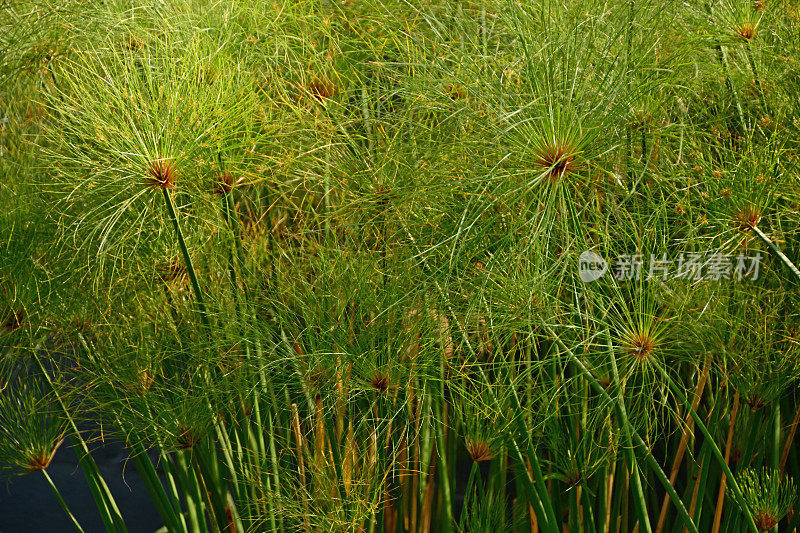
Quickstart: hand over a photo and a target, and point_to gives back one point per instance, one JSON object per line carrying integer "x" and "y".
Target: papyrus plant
{"x": 319, "y": 259}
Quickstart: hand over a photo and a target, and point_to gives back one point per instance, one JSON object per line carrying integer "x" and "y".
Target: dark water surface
{"x": 27, "y": 505}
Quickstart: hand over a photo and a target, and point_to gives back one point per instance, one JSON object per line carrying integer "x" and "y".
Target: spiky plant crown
{"x": 557, "y": 159}
{"x": 769, "y": 497}
{"x": 746, "y": 217}
{"x": 225, "y": 182}
{"x": 187, "y": 438}
{"x": 639, "y": 344}
{"x": 145, "y": 123}
{"x": 380, "y": 382}
{"x": 552, "y": 147}
{"x": 12, "y": 320}
{"x": 486, "y": 513}
{"x": 746, "y": 30}
{"x": 333, "y": 503}
{"x": 738, "y": 192}
{"x": 482, "y": 414}
{"x": 321, "y": 89}
{"x": 641, "y": 335}
{"x": 161, "y": 174}
{"x": 172, "y": 270}
{"x": 39, "y": 458}
{"x": 30, "y": 429}
{"x": 574, "y": 461}
{"x": 480, "y": 450}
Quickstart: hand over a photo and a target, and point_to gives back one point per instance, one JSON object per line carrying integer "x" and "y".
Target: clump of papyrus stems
{"x": 320, "y": 260}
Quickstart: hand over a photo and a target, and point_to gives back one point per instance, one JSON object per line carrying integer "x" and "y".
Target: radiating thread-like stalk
{"x": 789, "y": 439}
{"x": 299, "y": 455}
{"x": 627, "y": 429}
{"x": 777, "y": 251}
{"x": 545, "y": 506}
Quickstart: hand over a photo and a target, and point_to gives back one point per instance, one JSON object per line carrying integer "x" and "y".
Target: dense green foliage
{"x": 324, "y": 258}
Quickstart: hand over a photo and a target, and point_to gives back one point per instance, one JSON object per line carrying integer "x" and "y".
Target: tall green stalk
{"x": 187, "y": 258}
{"x": 61, "y": 501}
{"x": 637, "y": 440}
{"x": 740, "y": 500}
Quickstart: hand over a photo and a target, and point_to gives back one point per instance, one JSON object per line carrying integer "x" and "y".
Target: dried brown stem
{"x": 722, "y": 483}
{"x": 688, "y": 428}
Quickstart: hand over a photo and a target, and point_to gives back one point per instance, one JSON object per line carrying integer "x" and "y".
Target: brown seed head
{"x": 640, "y": 119}
{"x": 141, "y": 383}
{"x": 321, "y": 90}
{"x": 764, "y": 520}
{"x": 225, "y": 183}
{"x": 160, "y": 174}
{"x": 384, "y": 195}
{"x": 187, "y": 438}
{"x": 640, "y": 345}
{"x": 172, "y": 270}
{"x": 558, "y": 159}
{"x": 746, "y": 218}
{"x": 231, "y": 358}
{"x": 736, "y": 453}
{"x": 573, "y": 476}
{"x": 318, "y": 377}
{"x": 40, "y": 459}
{"x": 146, "y": 380}
{"x": 14, "y": 320}
{"x": 746, "y": 31}
{"x": 132, "y": 43}
{"x": 479, "y": 450}
{"x": 455, "y": 91}
{"x": 380, "y": 382}
{"x": 754, "y": 401}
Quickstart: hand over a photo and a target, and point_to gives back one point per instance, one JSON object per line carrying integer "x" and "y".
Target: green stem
{"x": 714, "y": 449}
{"x": 444, "y": 474}
{"x": 777, "y": 251}
{"x": 705, "y": 469}
{"x": 574, "y": 523}
{"x": 721, "y": 57}
{"x": 155, "y": 488}
{"x": 749, "y": 53}
{"x": 468, "y": 492}
{"x": 626, "y": 428}
{"x": 109, "y": 512}
{"x": 213, "y": 488}
{"x": 173, "y": 481}
{"x": 637, "y": 440}
{"x": 226, "y": 214}
{"x": 588, "y": 512}
{"x": 61, "y": 501}
{"x": 187, "y": 258}
{"x": 543, "y": 502}
{"x": 192, "y": 495}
